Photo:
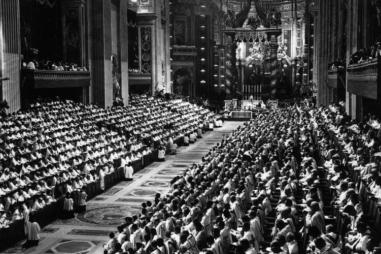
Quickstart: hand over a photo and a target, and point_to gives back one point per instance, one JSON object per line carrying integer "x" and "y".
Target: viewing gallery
{"x": 190, "y": 126}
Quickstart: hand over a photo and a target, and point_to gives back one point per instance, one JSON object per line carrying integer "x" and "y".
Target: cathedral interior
{"x": 190, "y": 126}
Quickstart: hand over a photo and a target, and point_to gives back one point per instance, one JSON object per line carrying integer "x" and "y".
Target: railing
{"x": 140, "y": 78}
{"x": 363, "y": 79}
{"x": 57, "y": 79}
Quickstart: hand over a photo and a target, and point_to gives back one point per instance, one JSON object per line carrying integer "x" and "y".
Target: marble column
{"x": 326, "y": 51}
{"x": 314, "y": 8}
{"x": 123, "y": 49}
{"x": 101, "y": 39}
{"x": 10, "y": 55}
{"x": 158, "y": 52}
{"x": 167, "y": 45}
{"x": 160, "y": 48}
{"x": 352, "y": 23}
{"x": 319, "y": 49}
{"x": 322, "y": 53}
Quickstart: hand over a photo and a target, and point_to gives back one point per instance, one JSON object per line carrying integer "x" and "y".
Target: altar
{"x": 243, "y": 105}
{"x": 241, "y": 115}
{"x": 252, "y": 62}
{"x": 243, "y": 109}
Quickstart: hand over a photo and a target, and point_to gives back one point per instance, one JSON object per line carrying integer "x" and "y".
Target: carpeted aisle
{"x": 88, "y": 232}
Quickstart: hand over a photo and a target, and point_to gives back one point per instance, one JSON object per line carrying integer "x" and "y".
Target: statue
{"x": 117, "y": 93}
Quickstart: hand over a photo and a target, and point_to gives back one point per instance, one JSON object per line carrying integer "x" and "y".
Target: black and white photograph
{"x": 190, "y": 127}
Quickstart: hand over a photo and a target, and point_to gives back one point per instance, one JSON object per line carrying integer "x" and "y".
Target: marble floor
{"x": 87, "y": 233}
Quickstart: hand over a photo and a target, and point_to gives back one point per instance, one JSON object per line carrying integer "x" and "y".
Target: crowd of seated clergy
{"x": 277, "y": 184}
{"x": 59, "y": 147}
{"x": 49, "y": 65}
{"x": 352, "y": 159}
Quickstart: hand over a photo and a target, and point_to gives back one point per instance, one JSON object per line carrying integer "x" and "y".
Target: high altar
{"x": 252, "y": 64}
{"x": 261, "y": 41}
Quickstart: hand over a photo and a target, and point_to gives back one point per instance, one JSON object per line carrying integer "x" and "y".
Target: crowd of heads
{"x": 59, "y": 147}
{"x": 271, "y": 186}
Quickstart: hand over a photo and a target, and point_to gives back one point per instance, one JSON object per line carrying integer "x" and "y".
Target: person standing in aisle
{"x": 82, "y": 201}
{"x": 32, "y": 231}
{"x": 68, "y": 207}
{"x": 128, "y": 172}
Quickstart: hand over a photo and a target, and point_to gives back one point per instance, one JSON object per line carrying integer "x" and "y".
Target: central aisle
{"x": 87, "y": 233}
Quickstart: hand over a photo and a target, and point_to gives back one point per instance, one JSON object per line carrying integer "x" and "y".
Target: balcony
{"x": 363, "y": 79}
{"x": 47, "y": 84}
{"x": 139, "y": 78}
{"x": 57, "y": 79}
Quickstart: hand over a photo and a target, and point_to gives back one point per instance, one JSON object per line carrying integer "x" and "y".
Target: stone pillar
{"x": 10, "y": 55}
{"x": 160, "y": 46}
{"x": 167, "y": 45}
{"x": 158, "y": 52}
{"x": 105, "y": 44}
{"x": 352, "y": 23}
{"x": 319, "y": 50}
{"x": 323, "y": 96}
{"x": 100, "y": 36}
{"x": 314, "y": 8}
{"x": 123, "y": 36}
{"x": 323, "y": 63}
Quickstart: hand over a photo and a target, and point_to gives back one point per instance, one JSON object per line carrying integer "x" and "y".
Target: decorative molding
{"x": 57, "y": 79}
{"x": 146, "y": 49}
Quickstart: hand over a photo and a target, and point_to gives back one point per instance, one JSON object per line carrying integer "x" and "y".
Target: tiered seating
{"x": 157, "y": 123}
{"x": 61, "y": 147}
{"x": 275, "y": 185}
{"x": 246, "y": 195}
{"x": 349, "y": 150}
